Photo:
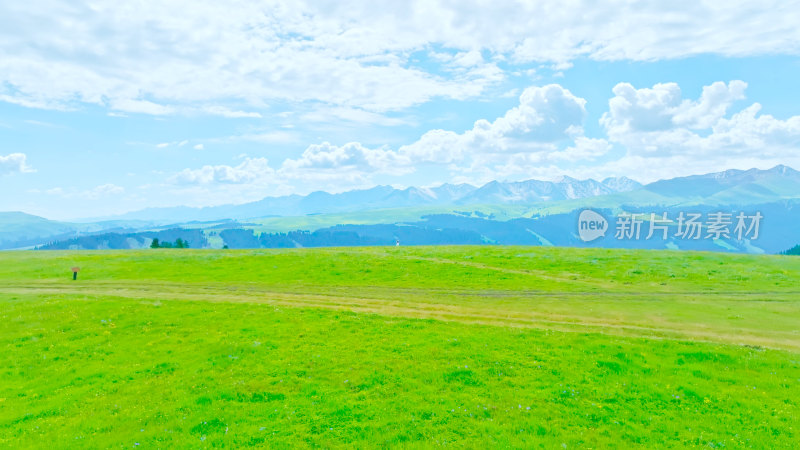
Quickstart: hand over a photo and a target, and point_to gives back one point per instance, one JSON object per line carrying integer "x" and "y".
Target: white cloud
{"x": 175, "y": 144}
{"x": 583, "y": 149}
{"x": 229, "y": 113}
{"x": 665, "y": 135}
{"x": 352, "y": 156}
{"x": 356, "y": 115}
{"x": 106, "y": 189}
{"x": 172, "y": 57}
{"x": 140, "y": 107}
{"x": 545, "y": 115}
{"x": 14, "y": 163}
{"x": 661, "y": 107}
{"x": 544, "y": 128}
{"x": 199, "y": 147}
{"x": 657, "y": 121}
{"x": 249, "y": 171}
{"x": 749, "y": 132}
{"x": 268, "y": 137}
{"x": 657, "y": 30}
{"x": 712, "y": 106}
{"x": 471, "y": 58}
{"x": 252, "y": 53}
{"x": 659, "y": 133}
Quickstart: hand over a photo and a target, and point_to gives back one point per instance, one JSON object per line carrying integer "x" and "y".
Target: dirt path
{"x": 398, "y": 303}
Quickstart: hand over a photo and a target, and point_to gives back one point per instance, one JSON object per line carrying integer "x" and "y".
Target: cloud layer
{"x": 206, "y": 56}
{"x": 344, "y": 94}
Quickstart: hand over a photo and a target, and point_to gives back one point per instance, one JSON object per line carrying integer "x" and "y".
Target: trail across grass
{"x": 465, "y": 346}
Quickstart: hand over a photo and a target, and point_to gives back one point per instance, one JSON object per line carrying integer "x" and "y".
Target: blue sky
{"x": 107, "y": 107}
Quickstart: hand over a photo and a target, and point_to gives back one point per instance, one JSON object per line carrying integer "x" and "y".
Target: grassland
{"x": 415, "y": 347}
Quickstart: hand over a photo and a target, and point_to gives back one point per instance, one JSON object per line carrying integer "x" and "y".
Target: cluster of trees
{"x": 792, "y": 251}
{"x": 179, "y": 243}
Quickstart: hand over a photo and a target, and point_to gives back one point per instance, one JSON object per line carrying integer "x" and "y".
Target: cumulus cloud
{"x": 659, "y": 134}
{"x": 545, "y": 115}
{"x": 544, "y": 128}
{"x": 14, "y": 163}
{"x": 651, "y": 133}
{"x": 666, "y": 135}
{"x": 662, "y": 107}
{"x": 352, "y": 156}
{"x": 748, "y": 131}
{"x": 249, "y": 171}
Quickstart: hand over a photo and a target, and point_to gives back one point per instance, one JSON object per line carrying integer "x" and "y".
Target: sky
{"x": 108, "y": 107}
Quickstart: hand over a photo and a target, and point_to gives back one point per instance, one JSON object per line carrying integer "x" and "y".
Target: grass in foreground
{"x": 588, "y": 348}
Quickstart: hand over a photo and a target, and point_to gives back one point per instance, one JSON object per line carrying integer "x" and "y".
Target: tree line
{"x": 179, "y": 243}
{"x": 792, "y": 251}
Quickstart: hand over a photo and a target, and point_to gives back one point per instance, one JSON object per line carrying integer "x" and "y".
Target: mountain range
{"x": 493, "y": 203}
{"x": 382, "y": 197}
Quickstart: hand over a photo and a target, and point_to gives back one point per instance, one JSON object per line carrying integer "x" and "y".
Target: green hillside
{"x": 479, "y": 347}
{"x": 17, "y": 225}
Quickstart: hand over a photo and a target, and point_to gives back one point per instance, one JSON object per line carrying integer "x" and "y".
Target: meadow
{"x": 412, "y": 346}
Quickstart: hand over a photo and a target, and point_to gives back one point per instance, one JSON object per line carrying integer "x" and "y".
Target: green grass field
{"x": 479, "y": 347}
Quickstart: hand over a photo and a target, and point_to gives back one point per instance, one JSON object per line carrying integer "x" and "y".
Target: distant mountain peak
{"x": 566, "y": 179}
{"x": 621, "y": 184}
{"x": 783, "y": 170}
{"x": 728, "y": 173}
{"x": 733, "y": 186}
